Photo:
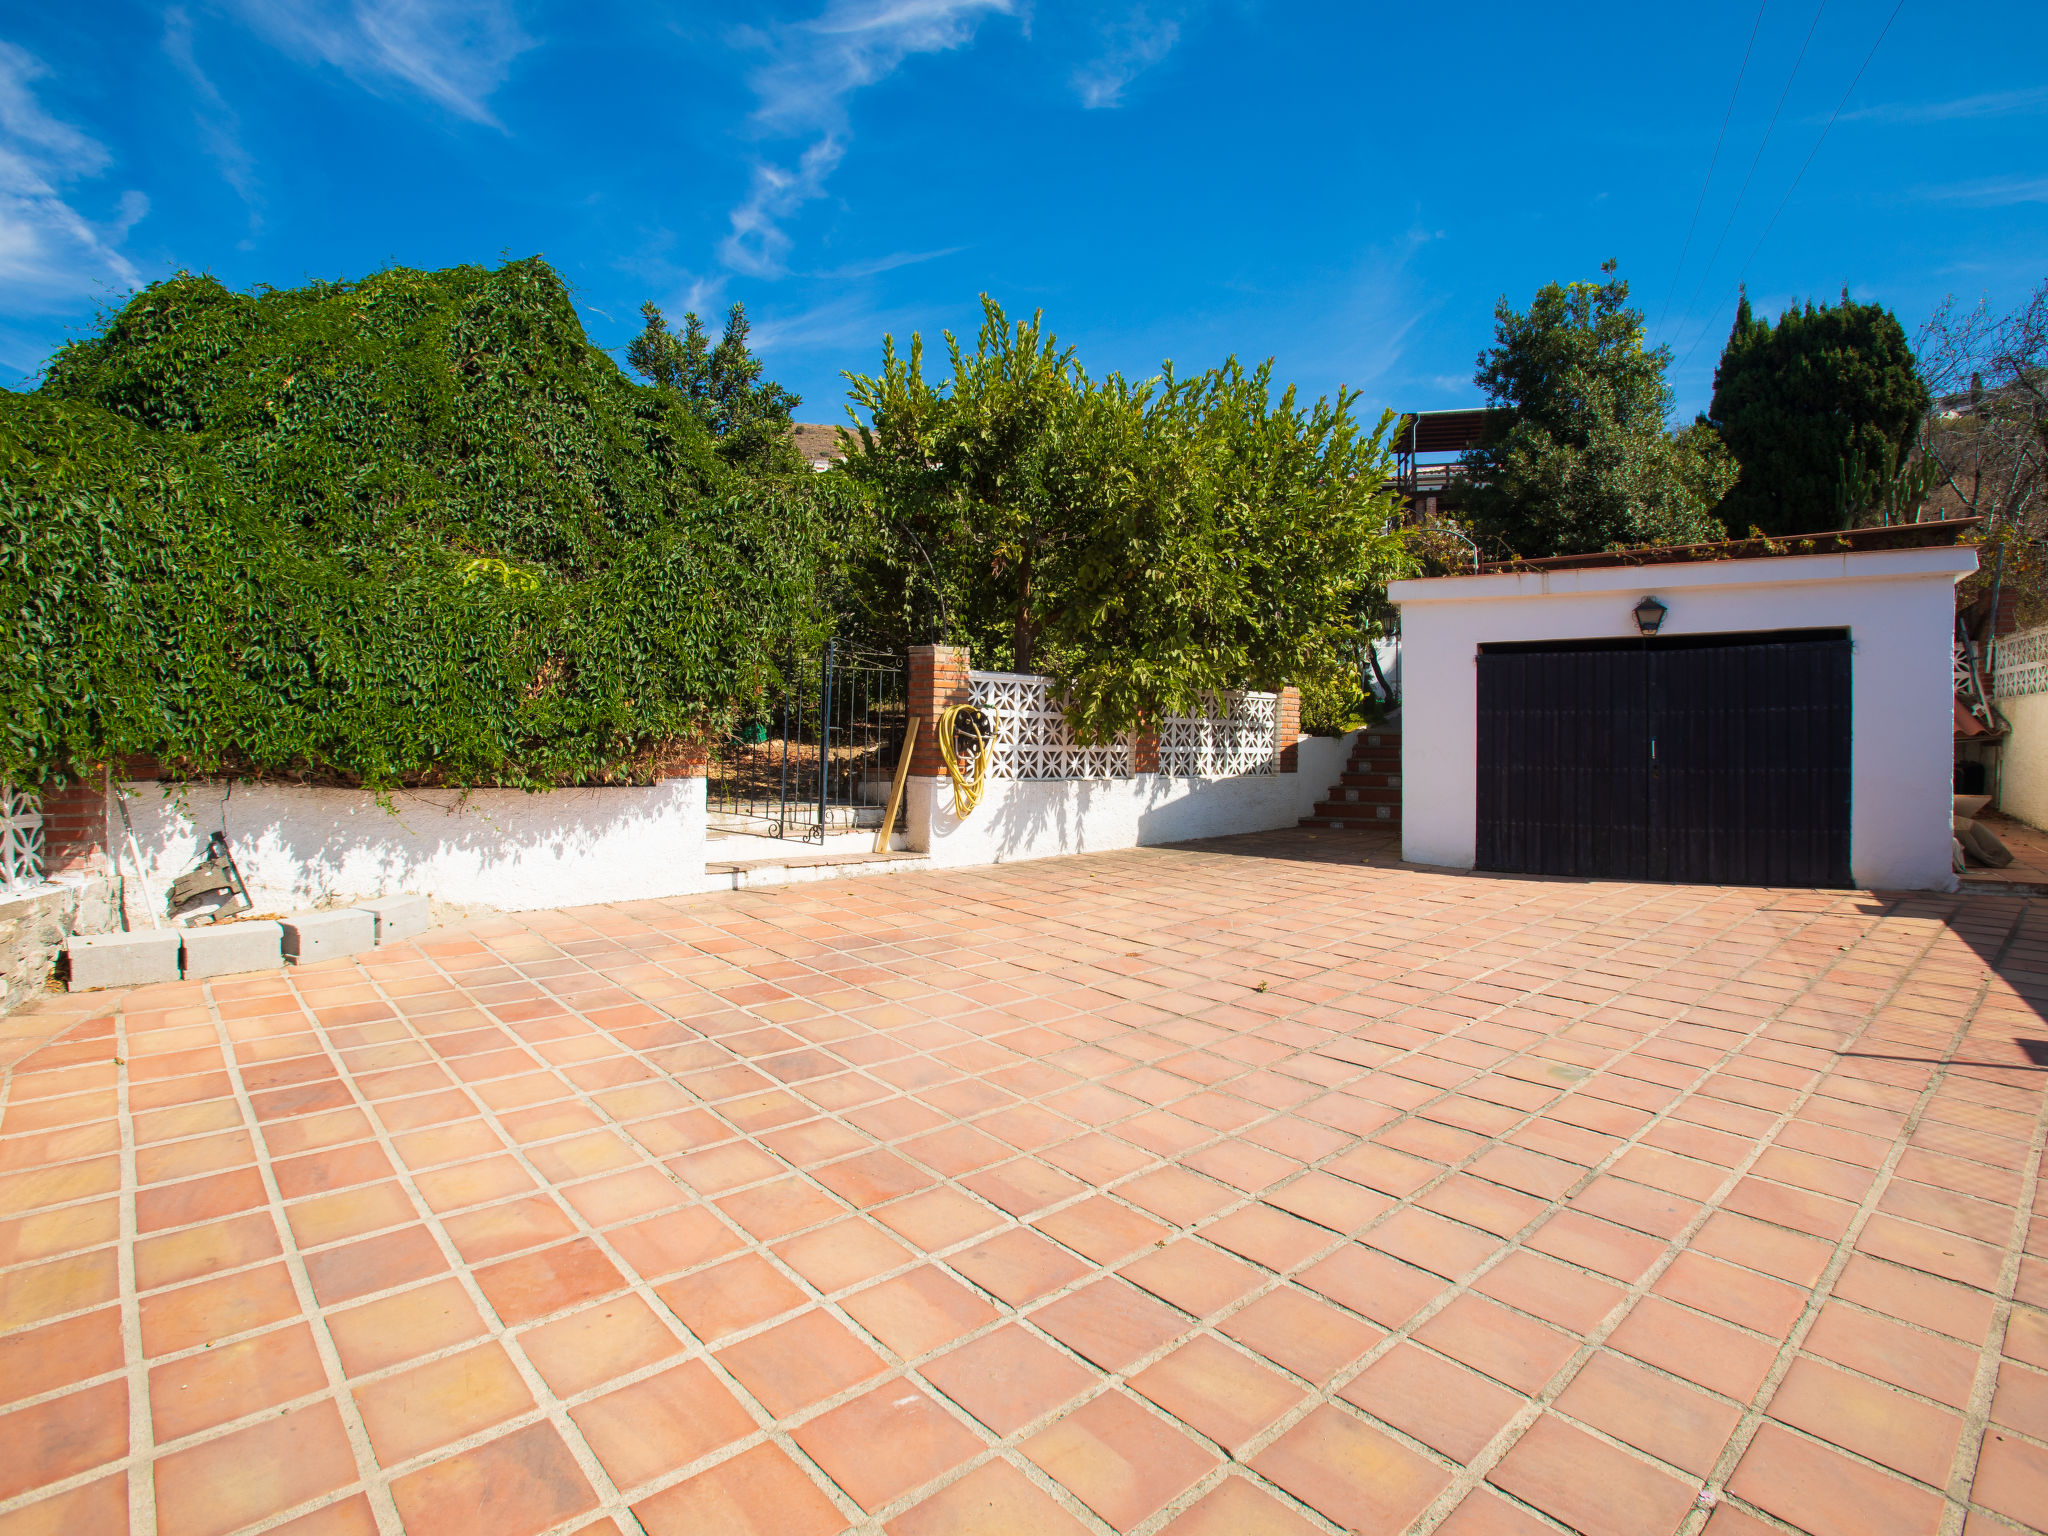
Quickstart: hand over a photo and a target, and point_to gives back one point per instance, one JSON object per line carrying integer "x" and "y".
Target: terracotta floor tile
{"x": 1235, "y": 1508}
{"x": 759, "y": 1492}
{"x": 1268, "y": 1236}
{"x": 1101, "y": 1229}
{"x": 1600, "y": 1246}
{"x": 221, "y": 1485}
{"x": 1022, "y": 1186}
{"x": 1920, "y": 1362}
{"x": 1374, "y": 1284}
{"x": 1121, "y": 1461}
{"x": 2022, "y": 1400}
{"x": 212, "y": 1310}
{"x": 1732, "y": 1293}
{"x": 995, "y": 1499}
{"x": 1445, "y": 1406}
{"x": 2012, "y": 1477}
{"x": 624, "y": 1196}
{"x": 1555, "y": 1292}
{"x": 803, "y": 1361}
{"x": 495, "y": 1230}
{"x": 330, "y": 1218}
{"x": 351, "y": 1516}
{"x": 937, "y": 1219}
{"x": 39, "y": 1360}
{"x": 1504, "y": 1345}
{"x": 100, "y": 1506}
{"x": 918, "y": 1312}
{"x": 1430, "y": 1242}
{"x": 885, "y": 1443}
{"x": 373, "y": 1264}
{"x": 62, "y": 1437}
{"x": 664, "y": 1422}
{"x": 442, "y": 1400}
{"x": 1306, "y": 1336}
{"x": 514, "y": 1485}
{"x": 1821, "y": 1490}
{"x": 1008, "y": 1378}
{"x": 1175, "y": 1195}
{"x": 1698, "y": 1348}
{"x": 1960, "y": 1311}
{"x": 1018, "y": 1265}
{"x": 1588, "y": 1485}
{"x": 845, "y": 1253}
{"x": 1485, "y": 1513}
{"x": 1110, "y": 1323}
{"x": 532, "y": 1286}
{"x": 391, "y": 1329}
{"x": 1651, "y": 1412}
{"x": 662, "y": 1245}
{"x": 220, "y": 1385}
{"x": 610, "y": 1338}
{"x": 1226, "y": 1395}
{"x": 1873, "y": 1421}
{"x": 1351, "y": 1473}
{"x": 1791, "y": 1256}
{"x": 1193, "y": 1276}
{"x": 467, "y": 1184}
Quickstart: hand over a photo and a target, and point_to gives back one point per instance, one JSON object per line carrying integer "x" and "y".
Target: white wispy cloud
{"x": 1135, "y": 44}
{"x": 51, "y": 255}
{"x": 889, "y": 263}
{"x": 1993, "y": 104}
{"x": 1994, "y": 192}
{"x": 220, "y": 128}
{"x": 453, "y": 52}
{"x": 812, "y": 68}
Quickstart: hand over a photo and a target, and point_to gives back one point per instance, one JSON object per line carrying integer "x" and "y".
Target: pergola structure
{"x": 1434, "y": 432}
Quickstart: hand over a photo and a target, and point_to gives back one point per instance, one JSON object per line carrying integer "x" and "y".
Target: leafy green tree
{"x": 1828, "y": 398}
{"x": 1143, "y": 543}
{"x": 722, "y": 386}
{"x": 411, "y": 529}
{"x": 1580, "y": 460}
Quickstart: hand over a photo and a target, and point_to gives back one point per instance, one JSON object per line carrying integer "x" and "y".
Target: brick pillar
{"x": 938, "y": 680}
{"x": 1289, "y": 732}
{"x": 76, "y": 839}
{"x": 1145, "y": 748}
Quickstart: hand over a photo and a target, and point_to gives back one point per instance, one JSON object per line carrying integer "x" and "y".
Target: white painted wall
{"x": 503, "y": 848}
{"x": 1045, "y": 818}
{"x": 1899, "y": 609}
{"x": 2022, "y": 771}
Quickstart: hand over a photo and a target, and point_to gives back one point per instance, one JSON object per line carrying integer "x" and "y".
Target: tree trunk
{"x": 1021, "y": 636}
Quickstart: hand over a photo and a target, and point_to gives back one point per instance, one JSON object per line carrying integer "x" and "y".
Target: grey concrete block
{"x": 398, "y": 917}
{"x": 233, "y": 947}
{"x": 314, "y": 936}
{"x": 123, "y": 959}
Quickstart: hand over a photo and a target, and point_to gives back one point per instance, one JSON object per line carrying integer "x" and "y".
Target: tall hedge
{"x": 415, "y": 528}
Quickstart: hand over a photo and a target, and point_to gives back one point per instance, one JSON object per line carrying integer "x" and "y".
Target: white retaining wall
{"x": 1899, "y": 609}
{"x": 1045, "y": 818}
{"x": 502, "y": 848}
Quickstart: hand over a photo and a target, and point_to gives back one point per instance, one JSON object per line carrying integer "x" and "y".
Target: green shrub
{"x": 415, "y": 529}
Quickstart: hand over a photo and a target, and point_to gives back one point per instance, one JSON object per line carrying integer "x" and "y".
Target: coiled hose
{"x": 968, "y": 725}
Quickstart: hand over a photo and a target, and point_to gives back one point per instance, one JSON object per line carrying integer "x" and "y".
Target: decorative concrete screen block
{"x": 232, "y": 947}
{"x": 1032, "y": 739}
{"x": 123, "y": 959}
{"x": 21, "y": 839}
{"x": 2020, "y": 665}
{"x": 328, "y": 935}
{"x": 399, "y": 917}
{"x": 1236, "y": 733}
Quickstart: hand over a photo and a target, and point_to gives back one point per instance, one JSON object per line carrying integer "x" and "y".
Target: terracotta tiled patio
{"x": 1262, "y": 1186}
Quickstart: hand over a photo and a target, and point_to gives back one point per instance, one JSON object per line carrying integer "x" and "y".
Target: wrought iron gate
{"x": 819, "y": 755}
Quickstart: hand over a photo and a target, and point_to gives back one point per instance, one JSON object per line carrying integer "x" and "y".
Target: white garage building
{"x": 1746, "y": 713}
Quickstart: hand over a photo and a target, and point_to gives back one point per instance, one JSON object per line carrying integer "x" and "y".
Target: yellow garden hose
{"x": 971, "y": 777}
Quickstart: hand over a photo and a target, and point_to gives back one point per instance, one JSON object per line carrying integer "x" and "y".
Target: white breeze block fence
{"x": 505, "y": 848}
{"x": 1217, "y": 773}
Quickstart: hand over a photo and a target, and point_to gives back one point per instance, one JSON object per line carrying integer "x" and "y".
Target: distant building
{"x": 818, "y": 444}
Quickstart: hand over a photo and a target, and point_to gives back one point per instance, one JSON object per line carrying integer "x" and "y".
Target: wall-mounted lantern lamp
{"x": 1649, "y": 615}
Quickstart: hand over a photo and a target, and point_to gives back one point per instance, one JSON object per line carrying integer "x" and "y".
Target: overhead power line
{"x": 1712, "y": 160}
{"x": 1708, "y": 270}
{"x": 1743, "y": 270}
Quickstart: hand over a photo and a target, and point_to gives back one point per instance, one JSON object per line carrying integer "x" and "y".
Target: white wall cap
{"x": 1952, "y": 560}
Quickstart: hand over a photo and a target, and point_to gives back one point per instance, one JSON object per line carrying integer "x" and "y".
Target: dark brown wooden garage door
{"x": 1720, "y": 760}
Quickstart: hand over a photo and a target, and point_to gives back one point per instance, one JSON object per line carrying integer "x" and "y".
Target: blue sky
{"x": 1347, "y": 189}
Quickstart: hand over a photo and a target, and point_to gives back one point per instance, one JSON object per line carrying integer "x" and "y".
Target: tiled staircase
{"x": 1368, "y": 799}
